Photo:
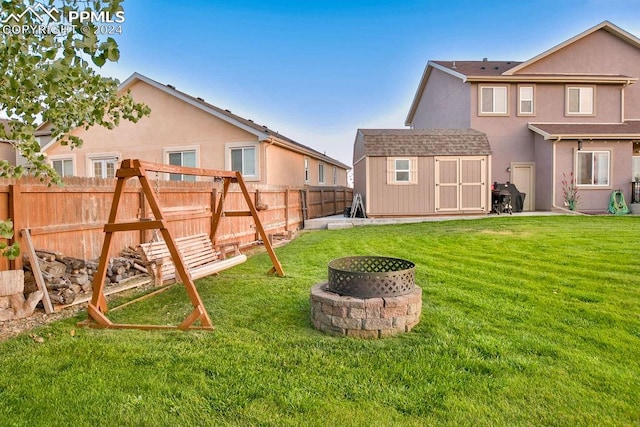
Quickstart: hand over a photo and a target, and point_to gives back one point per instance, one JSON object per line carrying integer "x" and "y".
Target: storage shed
{"x": 418, "y": 172}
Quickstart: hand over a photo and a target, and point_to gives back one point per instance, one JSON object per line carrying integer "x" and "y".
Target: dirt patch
{"x": 12, "y": 328}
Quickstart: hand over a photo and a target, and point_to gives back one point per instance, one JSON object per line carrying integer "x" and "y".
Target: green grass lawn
{"x": 525, "y": 321}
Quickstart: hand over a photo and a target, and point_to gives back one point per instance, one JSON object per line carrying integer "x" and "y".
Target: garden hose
{"x": 617, "y": 205}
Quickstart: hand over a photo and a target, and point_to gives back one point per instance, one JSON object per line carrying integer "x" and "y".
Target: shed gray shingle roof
{"x": 424, "y": 142}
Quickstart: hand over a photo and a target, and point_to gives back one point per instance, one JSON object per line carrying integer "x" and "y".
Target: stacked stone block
{"x": 364, "y": 317}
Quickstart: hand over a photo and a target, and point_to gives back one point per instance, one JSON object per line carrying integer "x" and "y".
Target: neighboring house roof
{"x": 558, "y": 131}
{"x": 509, "y": 71}
{"x": 262, "y": 132}
{"x": 424, "y": 142}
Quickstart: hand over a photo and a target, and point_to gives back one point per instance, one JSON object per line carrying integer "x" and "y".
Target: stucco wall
{"x": 595, "y": 199}
{"x": 544, "y": 173}
{"x": 599, "y": 53}
{"x": 444, "y": 103}
{"x": 177, "y": 125}
{"x": 172, "y": 124}
{"x": 283, "y": 166}
{"x": 510, "y": 138}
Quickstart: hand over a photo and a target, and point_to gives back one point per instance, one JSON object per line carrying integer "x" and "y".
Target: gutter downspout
{"x": 268, "y": 143}
{"x": 553, "y": 174}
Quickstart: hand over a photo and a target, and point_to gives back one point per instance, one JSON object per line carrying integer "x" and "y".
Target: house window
{"x": 402, "y": 170}
{"x": 580, "y": 100}
{"x": 335, "y": 175}
{"x": 104, "y": 167}
{"x": 320, "y": 173}
{"x": 185, "y": 158}
{"x": 64, "y": 167}
{"x": 593, "y": 168}
{"x": 525, "y": 105}
{"x": 243, "y": 159}
{"x": 307, "y": 178}
{"x": 493, "y": 100}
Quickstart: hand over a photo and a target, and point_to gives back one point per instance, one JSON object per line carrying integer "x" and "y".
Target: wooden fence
{"x": 70, "y": 219}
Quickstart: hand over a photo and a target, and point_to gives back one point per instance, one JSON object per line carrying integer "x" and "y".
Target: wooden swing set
{"x": 179, "y": 251}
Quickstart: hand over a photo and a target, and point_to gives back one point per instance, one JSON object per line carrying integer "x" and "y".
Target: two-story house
{"x": 572, "y": 110}
{"x": 184, "y": 130}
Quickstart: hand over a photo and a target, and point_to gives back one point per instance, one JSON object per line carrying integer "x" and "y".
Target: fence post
{"x": 286, "y": 209}
{"x": 143, "y": 215}
{"x": 15, "y": 213}
{"x": 303, "y": 204}
{"x": 214, "y": 208}
{"x": 335, "y": 201}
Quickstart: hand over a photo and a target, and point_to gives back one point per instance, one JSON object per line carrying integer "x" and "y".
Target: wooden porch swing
{"x": 181, "y": 251}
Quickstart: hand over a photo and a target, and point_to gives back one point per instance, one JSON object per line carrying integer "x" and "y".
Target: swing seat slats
{"x": 197, "y": 252}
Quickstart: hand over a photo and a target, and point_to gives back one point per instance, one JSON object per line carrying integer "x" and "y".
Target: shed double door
{"x": 461, "y": 184}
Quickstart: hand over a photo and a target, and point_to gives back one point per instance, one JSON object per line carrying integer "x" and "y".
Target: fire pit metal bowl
{"x": 371, "y": 276}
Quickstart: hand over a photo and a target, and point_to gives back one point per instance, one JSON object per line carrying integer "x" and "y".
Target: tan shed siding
{"x": 413, "y": 199}
{"x": 358, "y": 147}
{"x": 360, "y": 177}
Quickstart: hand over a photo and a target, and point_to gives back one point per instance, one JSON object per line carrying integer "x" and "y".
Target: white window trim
{"x": 109, "y": 155}
{"x": 593, "y": 100}
{"x": 307, "y": 172}
{"x": 179, "y": 149}
{"x": 71, "y": 157}
{"x": 586, "y": 186}
{"x": 533, "y": 101}
{"x": 391, "y": 171}
{"x": 491, "y": 113}
{"x": 227, "y": 157}
{"x": 335, "y": 175}
{"x": 321, "y": 177}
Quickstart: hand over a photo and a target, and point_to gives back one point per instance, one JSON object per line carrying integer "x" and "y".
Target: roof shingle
{"x": 478, "y": 68}
{"x": 424, "y": 142}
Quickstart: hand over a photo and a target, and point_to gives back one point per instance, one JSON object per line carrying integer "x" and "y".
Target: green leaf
{"x": 99, "y": 60}
{"x": 113, "y": 55}
{"x": 6, "y": 229}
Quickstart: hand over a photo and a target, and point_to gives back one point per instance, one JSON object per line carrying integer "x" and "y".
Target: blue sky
{"x": 316, "y": 71}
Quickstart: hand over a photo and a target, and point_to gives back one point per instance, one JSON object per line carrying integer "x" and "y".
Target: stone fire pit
{"x": 367, "y": 297}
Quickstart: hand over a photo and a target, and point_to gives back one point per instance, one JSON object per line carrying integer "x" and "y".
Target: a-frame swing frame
{"x": 132, "y": 168}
